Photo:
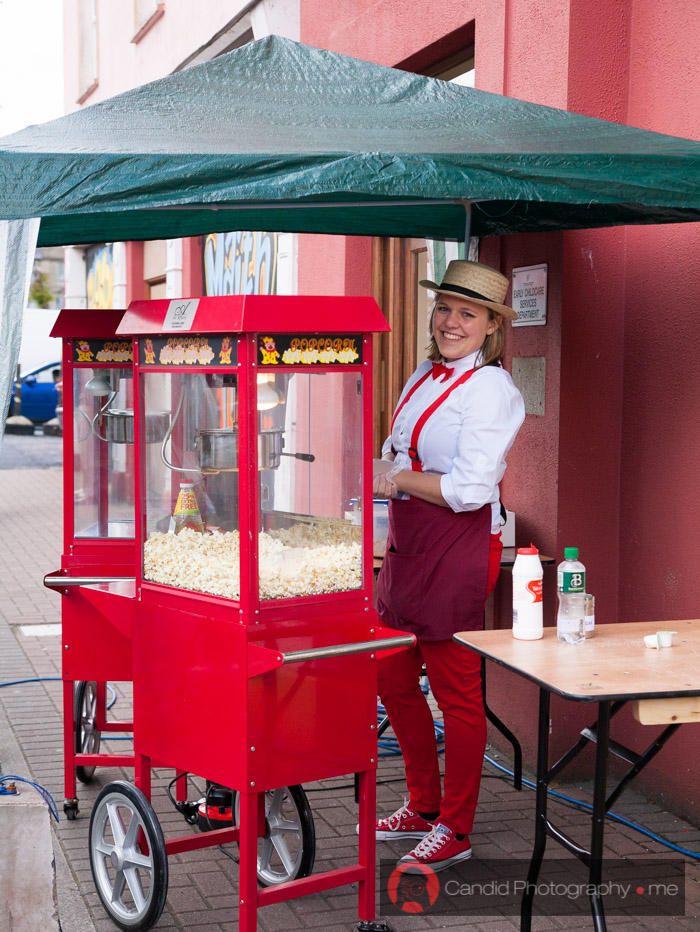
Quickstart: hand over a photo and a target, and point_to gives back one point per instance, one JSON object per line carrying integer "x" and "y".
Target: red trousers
{"x": 454, "y": 674}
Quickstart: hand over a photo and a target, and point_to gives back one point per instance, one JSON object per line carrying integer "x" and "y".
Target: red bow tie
{"x": 439, "y": 369}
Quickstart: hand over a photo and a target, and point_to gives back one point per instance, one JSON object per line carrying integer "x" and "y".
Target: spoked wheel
{"x": 288, "y": 849}
{"x": 128, "y": 857}
{"x": 87, "y": 737}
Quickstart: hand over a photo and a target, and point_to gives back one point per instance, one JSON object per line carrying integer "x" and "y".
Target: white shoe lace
{"x": 432, "y": 842}
{"x": 394, "y": 821}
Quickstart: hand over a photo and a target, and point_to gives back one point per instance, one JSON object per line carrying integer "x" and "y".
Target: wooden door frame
{"x": 395, "y": 289}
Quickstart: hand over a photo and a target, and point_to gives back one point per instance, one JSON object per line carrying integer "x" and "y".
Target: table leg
{"x": 540, "y": 813}
{"x": 505, "y": 731}
{"x": 598, "y": 818}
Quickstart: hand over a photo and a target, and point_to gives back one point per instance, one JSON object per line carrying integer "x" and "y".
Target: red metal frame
{"x": 96, "y": 625}
{"x": 255, "y": 313}
{"x": 279, "y": 720}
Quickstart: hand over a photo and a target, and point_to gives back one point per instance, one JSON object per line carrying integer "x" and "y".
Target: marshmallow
{"x": 660, "y": 639}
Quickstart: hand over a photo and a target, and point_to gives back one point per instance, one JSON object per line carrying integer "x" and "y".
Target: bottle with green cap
{"x": 571, "y": 588}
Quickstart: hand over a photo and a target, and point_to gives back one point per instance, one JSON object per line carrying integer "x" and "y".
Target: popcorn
{"x": 305, "y": 559}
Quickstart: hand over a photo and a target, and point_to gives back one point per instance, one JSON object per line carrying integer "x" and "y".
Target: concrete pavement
{"x": 202, "y": 893}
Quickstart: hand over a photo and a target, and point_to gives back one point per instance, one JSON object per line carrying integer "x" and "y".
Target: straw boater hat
{"x": 476, "y": 282}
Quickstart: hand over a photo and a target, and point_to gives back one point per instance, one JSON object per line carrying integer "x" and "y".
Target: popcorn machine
{"x": 253, "y": 635}
{"x": 99, "y": 555}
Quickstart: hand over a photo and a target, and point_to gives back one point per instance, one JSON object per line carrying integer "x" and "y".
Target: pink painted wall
{"x": 611, "y": 466}
{"x": 660, "y": 508}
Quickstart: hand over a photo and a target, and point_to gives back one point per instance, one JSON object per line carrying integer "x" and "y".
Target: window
{"x": 459, "y": 69}
{"x": 146, "y": 15}
{"x": 87, "y": 49}
{"x": 154, "y": 265}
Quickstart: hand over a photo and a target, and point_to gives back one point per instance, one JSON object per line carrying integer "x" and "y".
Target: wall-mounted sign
{"x": 530, "y": 295}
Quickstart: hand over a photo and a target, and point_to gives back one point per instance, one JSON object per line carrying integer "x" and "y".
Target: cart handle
{"x": 264, "y": 659}
{"x": 339, "y": 650}
{"x": 60, "y": 582}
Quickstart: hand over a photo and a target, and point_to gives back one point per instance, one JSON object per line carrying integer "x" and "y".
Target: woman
{"x": 456, "y": 419}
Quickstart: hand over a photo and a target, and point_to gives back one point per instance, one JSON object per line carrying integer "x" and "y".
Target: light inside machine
{"x": 267, "y": 396}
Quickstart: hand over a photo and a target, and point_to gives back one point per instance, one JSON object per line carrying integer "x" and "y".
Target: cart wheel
{"x": 70, "y": 807}
{"x": 288, "y": 849}
{"x": 87, "y": 737}
{"x": 127, "y": 856}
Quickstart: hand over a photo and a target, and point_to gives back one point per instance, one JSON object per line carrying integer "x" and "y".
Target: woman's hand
{"x": 383, "y": 485}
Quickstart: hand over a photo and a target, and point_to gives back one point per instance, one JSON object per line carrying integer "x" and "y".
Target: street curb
{"x": 73, "y": 915}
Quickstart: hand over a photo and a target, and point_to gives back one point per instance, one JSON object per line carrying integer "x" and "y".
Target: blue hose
{"x": 49, "y": 679}
{"x": 389, "y": 747}
{"x": 610, "y": 815}
{"x": 35, "y": 679}
{"x": 48, "y": 798}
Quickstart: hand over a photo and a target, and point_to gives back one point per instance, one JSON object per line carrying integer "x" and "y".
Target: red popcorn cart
{"x": 97, "y": 575}
{"x": 253, "y": 635}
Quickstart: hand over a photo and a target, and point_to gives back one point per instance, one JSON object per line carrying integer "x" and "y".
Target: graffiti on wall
{"x": 240, "y": 263}
{"x": 100, "y": 277}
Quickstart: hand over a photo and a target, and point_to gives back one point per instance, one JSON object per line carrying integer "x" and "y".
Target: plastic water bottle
{"x": 527, "y": 594}
{"x": 571, "y": 588}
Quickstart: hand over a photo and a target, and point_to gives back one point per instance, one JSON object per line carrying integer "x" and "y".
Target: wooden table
{"x": 611, "y": 669}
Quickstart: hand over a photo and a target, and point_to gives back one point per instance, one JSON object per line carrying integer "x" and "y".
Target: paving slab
{"x": 203, "y": 884}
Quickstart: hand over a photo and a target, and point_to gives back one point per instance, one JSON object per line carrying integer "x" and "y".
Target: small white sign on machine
{"x": 180, "y": 314}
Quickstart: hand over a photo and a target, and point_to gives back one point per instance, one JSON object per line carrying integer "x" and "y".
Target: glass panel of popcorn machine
{"x": 310, "y": 462}
{"x": 103, "y": 453}
{"x": 191, "y": 481}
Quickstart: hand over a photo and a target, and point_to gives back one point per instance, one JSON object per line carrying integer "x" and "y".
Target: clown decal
{"x": 268, "y": 352}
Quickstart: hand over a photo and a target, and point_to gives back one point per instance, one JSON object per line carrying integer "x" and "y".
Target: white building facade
{"x": 112, "y": 47}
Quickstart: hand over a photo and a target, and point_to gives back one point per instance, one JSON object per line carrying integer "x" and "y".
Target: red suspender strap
{"x": 420, "y": 423}
{"x": 408, "y": 395}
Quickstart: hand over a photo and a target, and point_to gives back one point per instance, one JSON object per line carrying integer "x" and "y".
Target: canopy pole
{"x": 17, "y": 246}
{"x": 287, "y": 205}
{"x": 467, "y": 227}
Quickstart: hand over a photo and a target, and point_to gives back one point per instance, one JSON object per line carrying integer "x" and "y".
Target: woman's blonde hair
{"x": 492, "y": 349}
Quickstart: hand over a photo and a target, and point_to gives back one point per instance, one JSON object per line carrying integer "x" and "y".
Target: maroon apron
{"x": 433, "y": 577}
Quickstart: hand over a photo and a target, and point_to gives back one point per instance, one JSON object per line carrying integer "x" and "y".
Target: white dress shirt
{"x": 466, "y": 439}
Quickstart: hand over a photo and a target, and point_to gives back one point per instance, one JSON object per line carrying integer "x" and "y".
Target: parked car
{"x": 38, "y": 393}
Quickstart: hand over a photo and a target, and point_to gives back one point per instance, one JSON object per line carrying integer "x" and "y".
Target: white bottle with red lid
{"x": 527, "y": 594}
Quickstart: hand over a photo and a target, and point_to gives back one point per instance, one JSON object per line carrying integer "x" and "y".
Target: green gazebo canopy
{"x": 280, "y": 136}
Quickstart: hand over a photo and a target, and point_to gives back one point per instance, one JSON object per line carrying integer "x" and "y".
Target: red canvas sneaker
{"x": 439, "y": 850}
{"x": 404, "y": 823}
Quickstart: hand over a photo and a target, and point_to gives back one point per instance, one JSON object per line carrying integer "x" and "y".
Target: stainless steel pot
{"x": 119, "y": 425}
{"x": 217, "y": 449}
